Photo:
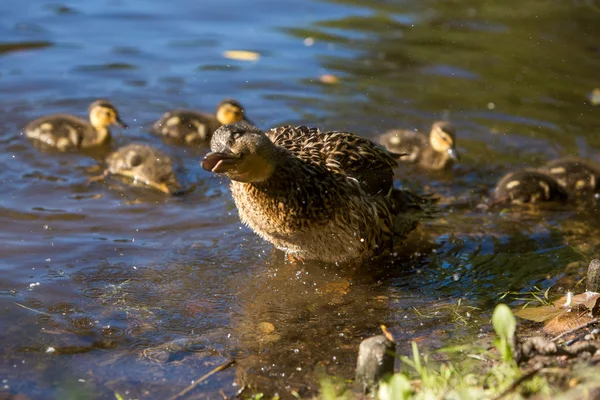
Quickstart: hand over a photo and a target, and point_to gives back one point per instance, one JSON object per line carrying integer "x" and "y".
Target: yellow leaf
{"x": 538, "y": 314}
{"x": 242, "y": 55}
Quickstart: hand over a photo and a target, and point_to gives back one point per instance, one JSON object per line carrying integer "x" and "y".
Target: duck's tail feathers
{"x": 411, "y": 209}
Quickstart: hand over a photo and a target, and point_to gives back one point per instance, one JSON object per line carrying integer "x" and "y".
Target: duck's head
{"x": 230, "y": 112}
{"x": 146, "y": 166}
{"x": 242, "y": 152}
{"x": 103, "y": 114}
{"x": 443, "y": 139}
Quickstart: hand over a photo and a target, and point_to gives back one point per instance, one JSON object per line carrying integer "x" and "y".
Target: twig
{"x": 31, "y": 309}
{"x": 221, "y": 367}
{"x": 516, "y": 383}
{"x": 592, "y": 322}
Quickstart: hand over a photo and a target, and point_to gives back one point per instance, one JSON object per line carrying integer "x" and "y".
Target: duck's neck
{"x": 436, "y": 159}
{"x": 102, "y": 134}
{"x": 285, "y": 171}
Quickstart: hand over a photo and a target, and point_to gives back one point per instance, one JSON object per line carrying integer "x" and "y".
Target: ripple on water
{"x": 112, "y": 332}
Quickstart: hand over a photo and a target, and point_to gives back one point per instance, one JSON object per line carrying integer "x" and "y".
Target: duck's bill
{"x": 219, "y": 163}
{"x": 119, "y": 122}
{"x": 453, "y": 154}
{"x": 169, "y": 186}
{"x": 165, "y": 187}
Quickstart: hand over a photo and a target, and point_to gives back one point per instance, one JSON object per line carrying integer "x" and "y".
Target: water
{"x": 107, "y": 288}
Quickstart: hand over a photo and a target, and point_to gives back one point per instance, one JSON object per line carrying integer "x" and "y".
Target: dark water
{"x": 140, "y": 294}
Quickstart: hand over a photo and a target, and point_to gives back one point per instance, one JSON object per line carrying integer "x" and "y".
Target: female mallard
{"x": 528, "y": 186}
{"x": 143, "y": 164}
{"x": 66, "y": 132}
{"x": 434, "y": 153}
{"x": 316, "y": 195}
{"x": 577, "y": 176}
{"x": 194, "y": 126}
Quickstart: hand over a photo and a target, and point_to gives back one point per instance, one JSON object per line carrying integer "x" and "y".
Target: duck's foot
{"x": 294, "y": 259}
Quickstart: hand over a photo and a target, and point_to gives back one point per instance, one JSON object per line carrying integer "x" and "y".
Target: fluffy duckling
{"x": 528, "y": 186}
{"x": 67, "y": 132}
{"x": 316, "y": 195}
{"x": 577, "y": 176}
{"x": 143, "y": 164}
{"x": 437, "y": 152}
{"x": 190, "y": 126}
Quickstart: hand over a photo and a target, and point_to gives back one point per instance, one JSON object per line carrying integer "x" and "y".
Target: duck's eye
{"x": 107, "y": 113}
{"x": 135, "y": 159}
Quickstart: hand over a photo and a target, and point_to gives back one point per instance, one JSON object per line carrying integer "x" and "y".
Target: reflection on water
{"x": 107, "y": 288}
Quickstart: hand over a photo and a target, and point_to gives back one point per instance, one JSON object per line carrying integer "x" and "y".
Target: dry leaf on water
{"x": 241, "y": 55}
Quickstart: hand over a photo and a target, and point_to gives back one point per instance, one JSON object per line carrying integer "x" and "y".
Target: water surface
{"x": 107, "y": 288}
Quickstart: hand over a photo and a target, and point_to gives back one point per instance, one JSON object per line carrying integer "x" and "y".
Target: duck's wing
{"x": 410, "y": 143}
{"x": 186, "y": 125}
{"x": 340, "y": 152}
{"x": 62, "y": 131}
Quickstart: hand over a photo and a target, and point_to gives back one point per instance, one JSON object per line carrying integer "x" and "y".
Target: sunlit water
{"x": 107, "y": 288}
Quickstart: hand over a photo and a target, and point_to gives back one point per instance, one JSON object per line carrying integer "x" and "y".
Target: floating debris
{"x": 329, "y": 79}
{"x": 595, "y": 97}
{"x": 241, "y": 55}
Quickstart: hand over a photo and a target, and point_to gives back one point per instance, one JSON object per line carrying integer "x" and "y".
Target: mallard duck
{"x": 528, "y": 186}
{"x": 66, "y": 132}
{"x": 435, "y": 152}
{"x": 143, "y": 164}
{"x": 191, "y": 126}
{"x": 316, "y": 195}
{"x": 575, "y": 175}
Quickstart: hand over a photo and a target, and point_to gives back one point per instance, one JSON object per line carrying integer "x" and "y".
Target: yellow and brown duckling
{"x": 190, "y": 126}
{"x": 577, "y": 176}
{"x": 436, "y": 152}
{"x": 316, "y": 195}
{"x": 528, "y": 186}
{"x": 68, "y": 132}
{"x": 143, "y": 165}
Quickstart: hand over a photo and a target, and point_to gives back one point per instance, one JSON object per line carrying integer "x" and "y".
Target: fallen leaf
{"x": 329, "y": 79}
{"x": 538, "y": 314}
{"x": 241, "y": 55}
{"x": 595, "y": 97}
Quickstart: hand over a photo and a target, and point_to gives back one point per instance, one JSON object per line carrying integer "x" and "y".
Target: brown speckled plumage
{"x": 324, "y": 196}
{"x": 419, "y": 148}
{"x": 192, "y": 127}
{"x": 68, "y": 132}
{"x": 577, "y": 176}
{"x": 528, "y": 186}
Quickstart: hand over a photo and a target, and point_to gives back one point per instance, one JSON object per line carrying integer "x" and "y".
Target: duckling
{"x": 194, "y": 126}
{"x": 143, "y": 164}
{"x": 528, "y": 186}
{"x": 67, "y": 132}
{"x": 577, "y": 176}
{"x": 437, "y": 152}
{"x": 325, "y": 196}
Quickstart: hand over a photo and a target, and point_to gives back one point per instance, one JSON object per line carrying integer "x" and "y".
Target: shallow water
{"x": 140, "y": 294}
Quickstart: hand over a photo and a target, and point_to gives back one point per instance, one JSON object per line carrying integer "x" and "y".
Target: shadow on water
{"x": 111, "y": 289}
